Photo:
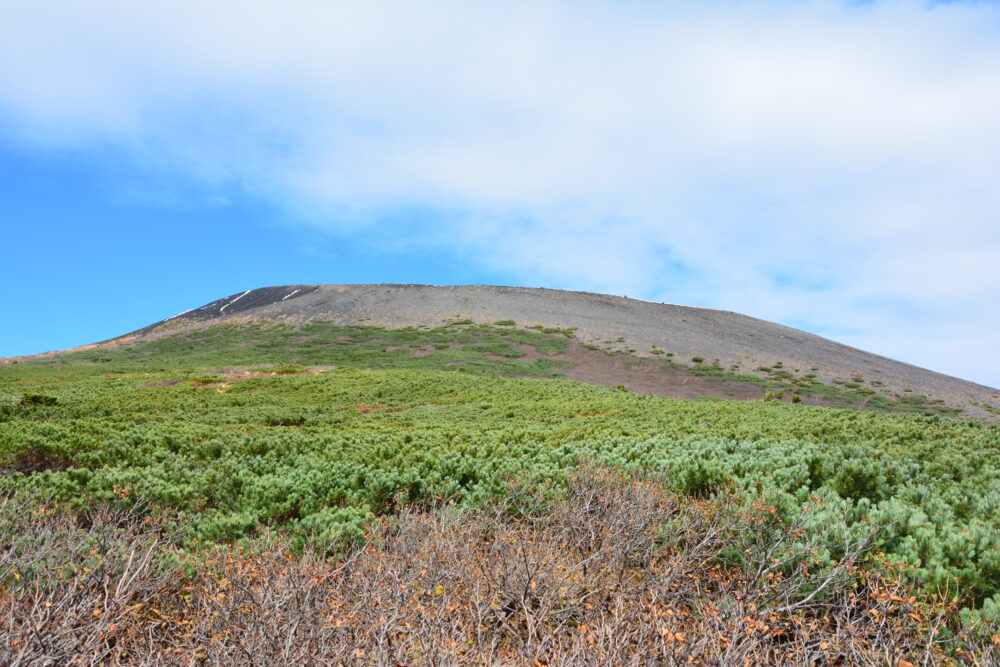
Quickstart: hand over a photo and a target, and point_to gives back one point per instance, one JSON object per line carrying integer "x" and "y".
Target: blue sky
{"x": 827, "y": 165}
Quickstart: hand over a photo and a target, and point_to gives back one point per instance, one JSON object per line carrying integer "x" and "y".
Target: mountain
{"x": 716, "y": 343}
{"x": 276, "y": 460}
{"x": 645, "y": 347}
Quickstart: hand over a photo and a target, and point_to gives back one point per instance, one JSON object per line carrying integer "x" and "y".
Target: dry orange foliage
{"x": 619, "y": 572}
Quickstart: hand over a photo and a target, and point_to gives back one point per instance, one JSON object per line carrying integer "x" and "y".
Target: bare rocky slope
{"x": 733, "y": 341}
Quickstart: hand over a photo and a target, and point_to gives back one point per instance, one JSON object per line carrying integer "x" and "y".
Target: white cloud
{"x": 817, "y": 163}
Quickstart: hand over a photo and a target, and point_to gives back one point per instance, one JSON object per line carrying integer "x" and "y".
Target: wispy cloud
{"x": 826, "y": 164}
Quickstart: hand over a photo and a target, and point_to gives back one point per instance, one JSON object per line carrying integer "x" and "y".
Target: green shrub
{"x": 284, "y": 419}
{"x": 860, "y": 479}
{"x": 207, "y": 379}
{"x": 284, "y": 369}
{"x": 332, "y": 530}
{"x": 38, "y": 399}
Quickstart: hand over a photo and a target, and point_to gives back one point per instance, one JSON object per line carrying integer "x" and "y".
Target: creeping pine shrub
{"x": 284, "y": 369}
{"x": 38, "y": 399}
{"x": 332, "y": 529}
{"x": 861, "y": 478}
{"x": 207, "y": 379}
{"x": 284, "y": 419}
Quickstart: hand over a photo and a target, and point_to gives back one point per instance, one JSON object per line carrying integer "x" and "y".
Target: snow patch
{"x": 234, "y": 300}
{"x": 178, "y": 314}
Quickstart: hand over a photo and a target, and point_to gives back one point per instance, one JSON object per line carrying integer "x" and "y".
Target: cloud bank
{"x": 831, "y": 166}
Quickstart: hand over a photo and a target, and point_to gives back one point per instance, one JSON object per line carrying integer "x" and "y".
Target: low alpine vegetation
{"x": 209, "y": 491}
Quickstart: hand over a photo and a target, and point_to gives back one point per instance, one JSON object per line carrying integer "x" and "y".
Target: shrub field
{"x": 234, "y": 440}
